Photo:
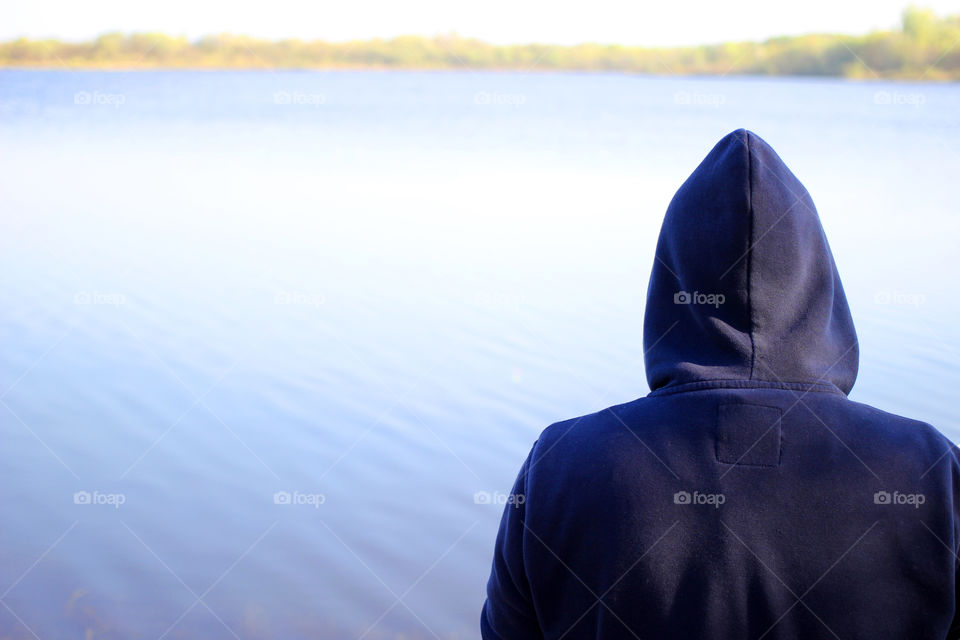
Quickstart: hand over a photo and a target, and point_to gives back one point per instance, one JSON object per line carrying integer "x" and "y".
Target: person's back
{"x": 746, "y": 496}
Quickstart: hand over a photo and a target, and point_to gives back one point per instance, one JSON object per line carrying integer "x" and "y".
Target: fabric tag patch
{"x": 748, "y": 435}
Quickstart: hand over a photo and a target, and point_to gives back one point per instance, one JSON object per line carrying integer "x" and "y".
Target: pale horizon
{"x": 497, "y": 22}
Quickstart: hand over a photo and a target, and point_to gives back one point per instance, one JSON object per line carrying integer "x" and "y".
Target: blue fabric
{"x": 746, "y": 496}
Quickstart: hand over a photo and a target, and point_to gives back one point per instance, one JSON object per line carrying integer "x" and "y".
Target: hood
{"x": 744, "y": 286}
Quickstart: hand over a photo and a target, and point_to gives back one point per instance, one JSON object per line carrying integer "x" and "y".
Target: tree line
{"x": 925, "y": 47}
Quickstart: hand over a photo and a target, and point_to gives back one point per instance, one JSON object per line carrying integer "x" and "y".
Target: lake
{"x": 276, "y": 343}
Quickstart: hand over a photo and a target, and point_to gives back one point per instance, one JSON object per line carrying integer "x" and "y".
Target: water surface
{"x": 371, "y": 291}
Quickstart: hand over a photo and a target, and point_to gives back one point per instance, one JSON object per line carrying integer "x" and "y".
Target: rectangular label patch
{"x": 748, "y": 435}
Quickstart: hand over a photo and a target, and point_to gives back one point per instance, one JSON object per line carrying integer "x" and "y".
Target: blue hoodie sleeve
{"x": 954, "y": 633}
{"x": 508, "y": 612}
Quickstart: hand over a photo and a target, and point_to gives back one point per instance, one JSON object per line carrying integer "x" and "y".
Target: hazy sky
{"x": 664, "y": 22}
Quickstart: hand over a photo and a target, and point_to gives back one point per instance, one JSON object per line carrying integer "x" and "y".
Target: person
{"x": 746, "y": 496}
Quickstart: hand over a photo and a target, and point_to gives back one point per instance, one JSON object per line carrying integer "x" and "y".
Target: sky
{"x": 633, "y": 22}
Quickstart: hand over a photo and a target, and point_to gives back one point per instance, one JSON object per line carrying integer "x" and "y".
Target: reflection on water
{"x": 269, "y": 364}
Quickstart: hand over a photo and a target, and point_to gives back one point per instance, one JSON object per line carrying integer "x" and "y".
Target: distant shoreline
{"x": 360, "y": 69}
{"x": 924, "y": 49}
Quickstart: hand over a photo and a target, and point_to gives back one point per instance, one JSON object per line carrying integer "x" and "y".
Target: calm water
{"x": 372, "y": 291}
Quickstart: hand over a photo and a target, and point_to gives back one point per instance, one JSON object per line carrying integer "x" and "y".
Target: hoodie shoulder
{"x": 588, "y": 436}
{"x": 892, "y": 423}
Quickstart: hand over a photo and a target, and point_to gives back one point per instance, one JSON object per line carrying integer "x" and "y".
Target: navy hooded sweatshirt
{"x": 746, "y": 496}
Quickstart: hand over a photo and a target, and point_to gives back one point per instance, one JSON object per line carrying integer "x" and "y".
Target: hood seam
{"x": 740, "y": 384}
